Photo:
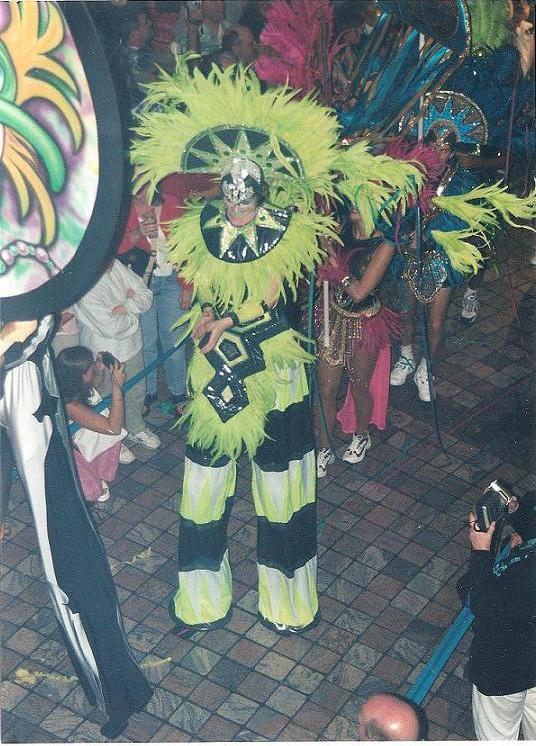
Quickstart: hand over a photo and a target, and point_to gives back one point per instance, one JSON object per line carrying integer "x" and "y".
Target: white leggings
{"x": 499, "y": 718}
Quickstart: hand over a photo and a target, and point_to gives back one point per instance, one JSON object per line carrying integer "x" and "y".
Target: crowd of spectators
{"x": 138, "y": 37}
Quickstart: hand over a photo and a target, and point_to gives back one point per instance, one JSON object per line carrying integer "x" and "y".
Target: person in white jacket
{"x": 109, "y": 320}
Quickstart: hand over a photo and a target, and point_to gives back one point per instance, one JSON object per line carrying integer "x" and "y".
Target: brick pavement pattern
{"x": 392, "y": 544}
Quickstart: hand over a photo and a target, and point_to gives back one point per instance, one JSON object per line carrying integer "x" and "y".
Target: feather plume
{"x": 376, "y": 184}
{"x": 294, "y": 33}
{"x": 494, "y": 202}
{"x": 426, "y": 159}
{"x": 463, "y": 255}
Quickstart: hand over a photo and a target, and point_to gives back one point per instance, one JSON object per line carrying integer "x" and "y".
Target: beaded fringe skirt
{"x": 371, "y": 329}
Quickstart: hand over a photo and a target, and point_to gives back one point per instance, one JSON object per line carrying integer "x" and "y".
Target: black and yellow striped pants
{"x": 284, "y": 491}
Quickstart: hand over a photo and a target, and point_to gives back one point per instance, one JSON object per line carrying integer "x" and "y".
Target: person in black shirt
{"x": 502, "y": 663}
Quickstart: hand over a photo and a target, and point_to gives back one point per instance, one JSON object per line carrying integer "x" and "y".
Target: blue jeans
{"x": 156, "y": 326}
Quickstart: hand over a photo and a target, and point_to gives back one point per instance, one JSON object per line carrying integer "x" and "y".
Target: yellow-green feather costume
{"x": 321, "y": 169}
{"x": 482, "y": 209}
{"x": 194, "y": 123}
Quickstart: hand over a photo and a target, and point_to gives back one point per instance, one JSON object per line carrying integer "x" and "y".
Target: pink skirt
{"x": 349, "y": 332}
{"x": 92, "y": 473}
{"x": 379, "y": 390}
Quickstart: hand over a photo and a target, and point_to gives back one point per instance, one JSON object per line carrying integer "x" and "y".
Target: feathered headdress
{"x": 202, "y": 121}
{"x": 446, "y": 113}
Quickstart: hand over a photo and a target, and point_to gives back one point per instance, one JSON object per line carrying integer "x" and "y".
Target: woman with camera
{"x": 502, "y": 664}
{"x": 97, "y": 441}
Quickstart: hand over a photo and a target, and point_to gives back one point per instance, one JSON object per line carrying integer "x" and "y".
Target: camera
{"x": 108, "y": 359}
{"x": 493, "y": 505}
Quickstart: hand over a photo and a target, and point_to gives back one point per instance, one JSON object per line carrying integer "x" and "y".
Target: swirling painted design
{"x": 47, "y": 142}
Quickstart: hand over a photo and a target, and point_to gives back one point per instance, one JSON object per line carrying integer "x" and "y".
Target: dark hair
{"x": 71, "y": 364}
{"x": 432, "y": 137}
{"x": 230, "y": 38}
{"x": 128, "y": 20}
{"x": 524, "y": 519}
{"x": 347, "y": 16}
{"x": 346, "y": 233}
{"x": 205, "y": 63}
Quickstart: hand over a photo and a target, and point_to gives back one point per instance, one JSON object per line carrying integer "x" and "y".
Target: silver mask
{"x": 236, "y": 187}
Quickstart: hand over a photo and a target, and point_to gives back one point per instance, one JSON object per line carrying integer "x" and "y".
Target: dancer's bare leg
{"x": 329, "y": 380}
{"x": 437, "y": 313}
{"x": 363, "y": 366}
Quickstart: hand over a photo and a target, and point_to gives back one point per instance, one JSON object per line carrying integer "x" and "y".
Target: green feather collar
{"x": 228, "y": 284}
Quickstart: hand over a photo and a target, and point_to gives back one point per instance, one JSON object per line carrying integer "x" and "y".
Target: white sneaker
{"x": 470, "y": 306}
{"x": 105, "y": 494}
{"x": 324, "y": 458}
{"x": 146, "y": 438}
{"x": 403, "y": 367}
{"x": 125, "y": 455}
{"x": 422, "y": 383}
{"x": 357, "y": 450}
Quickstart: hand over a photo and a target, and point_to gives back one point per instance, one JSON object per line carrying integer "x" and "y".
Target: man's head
{"x": 213, "y": 10}
{"x": 387, "y": 717}
{"x": 239, "y": 42}
{"x": 445, "y": 143}
{"x": 135, "y": 27}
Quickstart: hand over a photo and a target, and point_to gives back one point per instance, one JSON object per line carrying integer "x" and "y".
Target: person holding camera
{"x": 206, "y": 25}
{"x": 97, "y": 442}
{"x": 502, "y": 664}
{"x": 109, "y": 319}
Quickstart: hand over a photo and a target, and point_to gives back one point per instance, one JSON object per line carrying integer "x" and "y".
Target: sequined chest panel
{"x": 245, "y": 243}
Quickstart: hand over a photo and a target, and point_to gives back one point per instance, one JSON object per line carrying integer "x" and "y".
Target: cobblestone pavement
{"x": 392, "y": 541}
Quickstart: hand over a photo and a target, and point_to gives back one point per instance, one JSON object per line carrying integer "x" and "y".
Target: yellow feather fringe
{"x": 192, "y": 103}
{"x": 463, "y": 255}
{"x": 493, "y": 203}
{"x": 244, "y": 431}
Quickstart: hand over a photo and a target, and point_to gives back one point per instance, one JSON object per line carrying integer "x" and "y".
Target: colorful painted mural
{"x": 48, "y": 140}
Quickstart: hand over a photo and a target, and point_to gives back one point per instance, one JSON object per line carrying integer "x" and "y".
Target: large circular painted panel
{"x": 61, "y": 157}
